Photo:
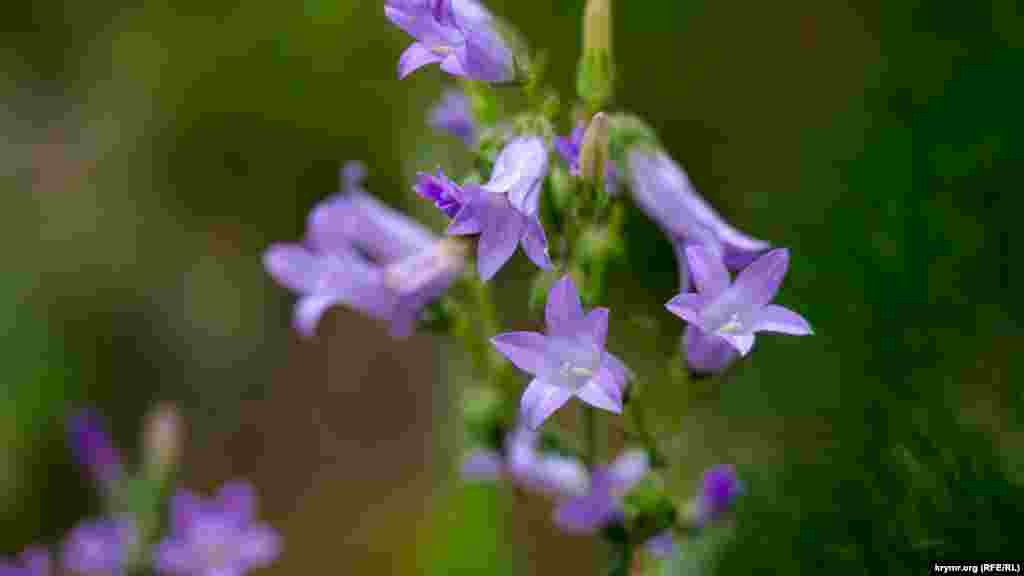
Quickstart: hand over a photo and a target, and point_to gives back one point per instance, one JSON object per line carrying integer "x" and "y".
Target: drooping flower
{"x": 547, "y": 473}
{"x": 570, "y": 360}
{"x": 460, "y": 35}
{"x": 568, "y": 149}
{"x": 602, "y": 504}
{"x": 445, "y": 194}
{"x": 93, "y": 449}
{"x": 734, "y": 311}
{"x": 364, "y": 255}
{"x": 504, "y": 211}
{"x": 216, "y": 537}
{"x": 98, "y": 547}
{"x": 719, "y": 490}
{"x": 663, "y": 191}
{"x": 33, "y": 561}
{"x": 452, "y": 115}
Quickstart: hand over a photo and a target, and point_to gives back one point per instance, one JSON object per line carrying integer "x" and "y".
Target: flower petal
{"x": 773, "y": 318}
{"x": 602, "y": 392}
{"x": 535, "y": 244}
{"x": 759, "y": 282}
{"x": 661, "y": 545}
{"x": 620, "y": 371}
{"x": 585, "y": 514}
{"x": 524, "y": 349}
{"x": 687, "y": 306}
{"x": 540, "y": 400}
{"x": 707, "y": 353}
{"x": 502, "y": 229}
{"x": 185, "y": 505}
{"x": 292, "y": 266}
{"x": 238, "y": 499}
{"x": 468, "y": 220}
{"x": 481, "y": 466}
{"x": 708, "y": 270}
{"x": 415, "y": 57}
{"x": 308, "y": 311}
{"x": 628, "y": 469}
{"x": 742, "y": 342}
{"x": 597, "y": 323}
{"x": 260, "y": 546}
{"x": 563, "y": 312}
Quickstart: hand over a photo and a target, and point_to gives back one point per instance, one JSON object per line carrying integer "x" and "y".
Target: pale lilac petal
{"x": 628, "y": 469}
{"x": 260, "y": 546}
{"x": 602, "y": 392}
{"x": 741, "y": 342}
{"x": 687, "y": 306}
{"x": 452, "y": 65}
{"x": 597, "y": 322}
{"x": 415, "y": 57}
{"x": 535, "y": 244}
{"x": 563, "y": 311}
{"x": 564, "y": 477}
{"x": 661, "y": 545}
{"x": 759, "y": 282}
{"x": 683, "y": 268}
{"x": 708, "y": 271}
{"x": 308, "y": 311}
{"x": 468, "y": 220}
{"x": 292, "y": 266}
{"x": 481, "y": 466}
{"x": 618, "y": 368}
{"x": 184, "y": 508}
{"x": 173, "y": 557}
{"x": 486, "y": 57}
{"x": 360, "y": 220}
{"x": 524, "y": 349}
{"x": 774, "y": 318}
{"x": 707, "y": 353}
{"x": 239, "y": 500}
{"x": 540, "y": 400}
{"x": 584, "y": 515}
{"x": 503, "y": 227}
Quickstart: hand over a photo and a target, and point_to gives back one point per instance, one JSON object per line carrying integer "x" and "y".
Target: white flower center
{"x": 732, "y": 325}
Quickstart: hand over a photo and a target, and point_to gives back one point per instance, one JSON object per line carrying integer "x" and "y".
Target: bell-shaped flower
{"x": 570, "y": 360}
{"x": 525, "y": 465}
{"x": 663, "y": 191}
{"x": 504, "y": 211}
{"x": 362, "y": 254}
{"x": 452, "y": 115}
{"x": 733, "y": 311}
{"x": 216, "y": 537}
{"x": 602, "y": 504}
{"x": 460, "y": 35}
{"x": 719, "y": 490}
{"x": 98, "y": 547}
{"x": 439, "y": 189}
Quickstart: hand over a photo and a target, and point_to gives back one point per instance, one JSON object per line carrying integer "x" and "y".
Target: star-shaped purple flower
{"x": 504, "y": 211}
{"x": 733, "y": 312}
{"x": 216, "y": 537}
{"x": 460, "y": 35}
{"x": 33, "y": 561}
{"x": 98, "y": 547}
{"x": 568, "y": 148}
{"x": 452, "y": 115}
{"x": 365, "y": 255}
{"x": 663, "y": 191}
{"x": 719, "y": 490}
{"x": 544, "y": 472}
{"x": 602, "y": 504}
{"x": 570, "y": 360}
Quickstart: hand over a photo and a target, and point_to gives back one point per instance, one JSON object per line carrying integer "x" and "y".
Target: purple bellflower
{"x": 367, "y": 256}
{"x": 216, "y": 537}
{"x": 31, "y": 562}
{"x": 663, "y": 191}
{"x": 568, "y": 148}
{"x": 92, "y": 448}
{"x": 98, "y": 547}
{"x": 445, "y": 194}
{"x": 733, "y": 312}
{"x": 719, "y": 489}
{"x": 570, "y": 360}
{"x": 504, "y": 211}
{"x": 543, "y": 472}
{"x": 460, "y": 35}
{"x": 452, "y": 115}
{"x": 602, "y": 504}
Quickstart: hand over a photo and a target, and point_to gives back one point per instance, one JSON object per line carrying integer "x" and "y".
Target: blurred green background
{"x": 149, "y": 153}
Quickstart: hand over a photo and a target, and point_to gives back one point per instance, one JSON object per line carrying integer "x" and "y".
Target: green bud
{"x": 594, "y": 151}
{"x": 595, "y": 77}
{"x": 648, "y": 509}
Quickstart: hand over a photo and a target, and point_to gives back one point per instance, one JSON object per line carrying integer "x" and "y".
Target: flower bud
{"x": 595, "y": 77}
{"x": 594, "y": 151}
{"x": 162, "y": 440}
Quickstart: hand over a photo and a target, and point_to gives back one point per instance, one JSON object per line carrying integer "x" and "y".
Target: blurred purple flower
{"x": 504, "y": 210}
{"x": 362, "y": 254}
{"x": 663, "y": 191}
{"x": 733, "y": 311}
{"x": 568, "y": 148}
{"x": 569, "y": 361}
{"x": 216, "y": 537}
{"x": 719, "y": 490}
{"x": 98, "y": 547}
{"x": 661, "y": 545}
{"x": 452, "y": 115}
{"x": 543, "y": 472}
{"x": 33, "y": 561}
{"x": 460, "y": 35}
{"x": 602, "y": 504}
{"x": 92, "y": 447}
{"x": 445, "y": 194}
